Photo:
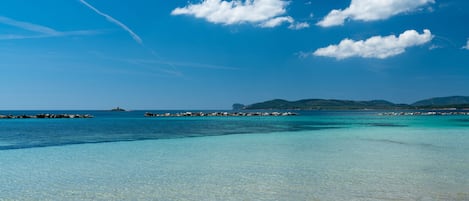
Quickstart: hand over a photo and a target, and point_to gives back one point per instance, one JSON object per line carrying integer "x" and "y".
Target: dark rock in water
{"x": 48, "y": 116}
{"x": 430, "y": 113}
{"x": 220, "y": 114}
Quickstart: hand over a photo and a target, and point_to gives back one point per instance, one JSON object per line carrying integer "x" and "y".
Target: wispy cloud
{"x": 40, "y": 30}
{"x": 467, "y": 45}
{"x": 29, "y": 26}
{"x": 276, "y": 21}
{"x": 183, "y": 64}
{"x": 114, "y": 21}
{"x": 433, "y": 47}
{"x": 171, "y": 70}
{"x": 376, "y": 47}
{"x": 187, "y": 64}
{"x": 19, "y": 37}
{"x": 299, "y": 25}
{"x": 142, "y": 66}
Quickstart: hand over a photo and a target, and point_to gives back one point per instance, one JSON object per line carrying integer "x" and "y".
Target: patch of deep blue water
{"x": 133, "y": 126}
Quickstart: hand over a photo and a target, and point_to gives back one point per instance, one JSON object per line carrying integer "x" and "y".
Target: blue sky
{"x": 140, "y": 54}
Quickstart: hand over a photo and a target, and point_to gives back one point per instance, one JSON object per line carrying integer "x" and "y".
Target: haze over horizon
{"x": 89, "y": 54}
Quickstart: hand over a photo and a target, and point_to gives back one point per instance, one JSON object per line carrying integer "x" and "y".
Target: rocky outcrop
{"x": 431, "y": 113}
{"x": 219, "y": 114}
{"x": 47, "y": 116}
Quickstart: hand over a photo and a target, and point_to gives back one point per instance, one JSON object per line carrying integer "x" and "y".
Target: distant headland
{"x": 450, "y": 102}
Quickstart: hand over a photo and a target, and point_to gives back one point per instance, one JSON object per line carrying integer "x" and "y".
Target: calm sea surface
{"x": 314, "y": 156}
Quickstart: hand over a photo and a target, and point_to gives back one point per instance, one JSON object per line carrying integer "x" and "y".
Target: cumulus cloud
{"x": 467, "y": 45}
{"x": 371, "y": 10}
{"x": 376, "y": 47}
{"x": 264, "y": 13}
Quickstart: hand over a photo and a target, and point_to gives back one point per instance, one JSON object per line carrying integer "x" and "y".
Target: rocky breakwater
{"x": 47, "y": 116}
{"x": 432, "y": 113}
{"x": 219, "y": 114}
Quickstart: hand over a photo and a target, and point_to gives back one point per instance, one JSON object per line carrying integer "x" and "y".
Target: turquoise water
{"x": 314, "y": 156}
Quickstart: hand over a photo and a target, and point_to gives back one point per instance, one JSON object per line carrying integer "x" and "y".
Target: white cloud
{"x": 376, "y": 47}
{"x": 299, "y": 25}
{"x": 39, "y": 30}
{"x": 276, "y": 22}
{"x": 371, "y": 10}
{"x": 467, "y": 45}
{"x": 433, "y": 47}
{"x": 264, "y": 13}
{"x": 114, "y": 21}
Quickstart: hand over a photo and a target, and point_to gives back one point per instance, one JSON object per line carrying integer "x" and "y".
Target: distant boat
{"x": 118, "y": 109}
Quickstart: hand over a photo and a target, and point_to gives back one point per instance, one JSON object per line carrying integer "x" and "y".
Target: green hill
{"x": 443, "y": 101}
{"x": 318, "y": 104}
{"x": 333, "y": 104}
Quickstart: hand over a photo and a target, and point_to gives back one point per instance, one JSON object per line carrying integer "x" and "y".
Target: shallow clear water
{"x": 314, "y": 156}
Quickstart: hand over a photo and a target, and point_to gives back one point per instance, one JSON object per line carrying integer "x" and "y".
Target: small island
{"x": 118, "y": 109}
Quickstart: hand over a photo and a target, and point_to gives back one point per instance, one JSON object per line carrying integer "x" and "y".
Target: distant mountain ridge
{"x": 318, "y": 104}
{"x": 334, "y": 104}
{"x": 442, "y": 101}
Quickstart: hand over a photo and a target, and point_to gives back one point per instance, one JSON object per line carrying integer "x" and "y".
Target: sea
{"x": 314, "y": 156}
